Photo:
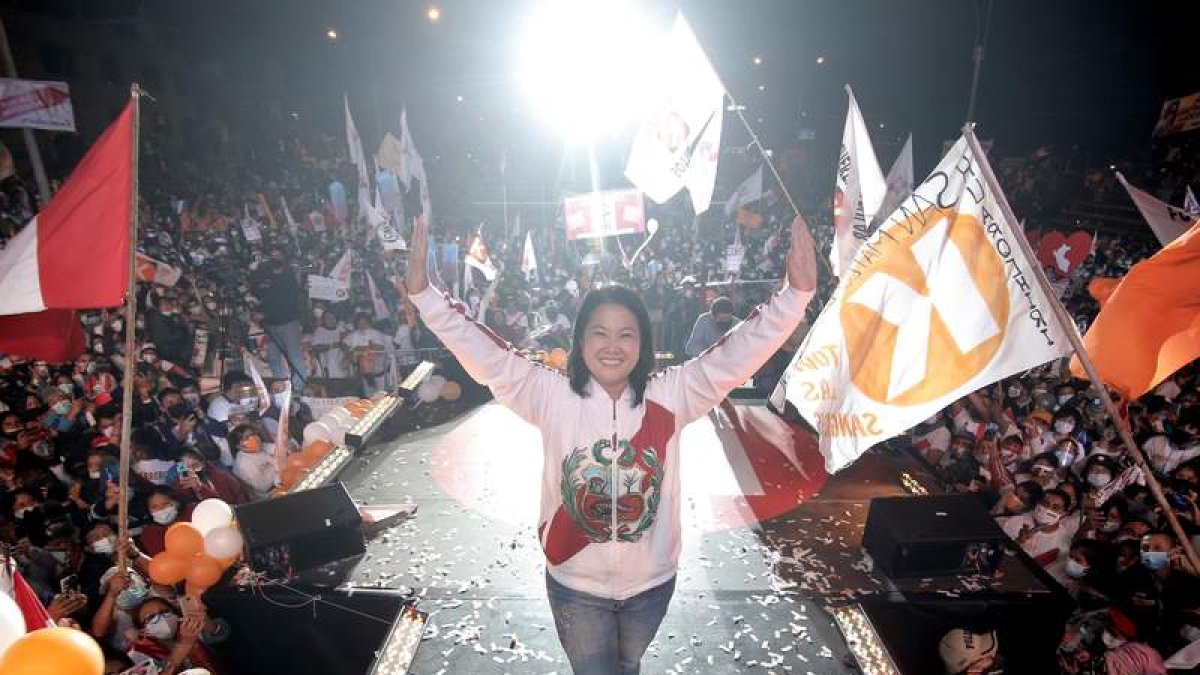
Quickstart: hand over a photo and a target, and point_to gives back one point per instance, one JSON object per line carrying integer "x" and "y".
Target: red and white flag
{"x": 74, "y": 254}
{"x": 604, "y": 214}
{"x": 154, "y": 271}
{"x": 478, "y": 257}
{"x": 379, "y": 307}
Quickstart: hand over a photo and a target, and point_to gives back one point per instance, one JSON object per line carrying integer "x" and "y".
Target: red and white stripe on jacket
{"x": 610, "y": 521}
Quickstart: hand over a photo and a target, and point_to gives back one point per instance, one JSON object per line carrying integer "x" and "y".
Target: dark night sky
{"x": 1062, "y": 72}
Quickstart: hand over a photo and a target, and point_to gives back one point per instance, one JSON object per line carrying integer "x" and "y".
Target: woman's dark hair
{"x": 612, "y": 295}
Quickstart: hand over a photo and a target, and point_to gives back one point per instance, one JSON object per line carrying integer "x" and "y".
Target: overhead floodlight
{"x": 585, "y": 64}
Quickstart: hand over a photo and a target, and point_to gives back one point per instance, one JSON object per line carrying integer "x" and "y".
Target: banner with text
{"x": 604, "y": 214}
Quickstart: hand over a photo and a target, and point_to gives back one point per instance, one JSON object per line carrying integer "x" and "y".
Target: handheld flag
{"x": 1190, "y": 205}
{"x": 1167, "y": 222}
{"x": 529, "y": 263}
{"x": 1149, "y": 325}
{"x": 858, "y": 190}
{"x": 751, "y": 190}
{"x": 678, "y": 144}
{"x": 359, "y": 160}
{"x": 899, "y": 183}
{"x": 938, "y": 302}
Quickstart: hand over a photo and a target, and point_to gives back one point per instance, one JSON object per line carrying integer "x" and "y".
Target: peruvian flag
{"x": 74, "y": 254}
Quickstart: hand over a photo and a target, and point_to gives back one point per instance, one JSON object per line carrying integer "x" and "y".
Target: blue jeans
{"x": 288, "y": 336}
{"x": 603, "y": 636}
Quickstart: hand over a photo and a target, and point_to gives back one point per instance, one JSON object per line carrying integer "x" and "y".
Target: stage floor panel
{"x": 767, "y": 542}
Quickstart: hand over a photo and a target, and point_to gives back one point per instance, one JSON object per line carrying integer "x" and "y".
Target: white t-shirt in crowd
{"x": 1050, "y": 549}
{"x": 1164, "y": 456}
{"x": 258, "y": 470}
{"x": 333, "y": 361}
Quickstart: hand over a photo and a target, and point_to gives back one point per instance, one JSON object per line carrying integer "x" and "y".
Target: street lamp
{"x": 332, "y": 34}
{"x": 758, "y": 60}
{"x": 820, "y": 60}
{"x": 433, "y": 13}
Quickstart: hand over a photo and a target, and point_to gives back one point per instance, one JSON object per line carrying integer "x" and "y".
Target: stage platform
{"x": 768, "y": 543}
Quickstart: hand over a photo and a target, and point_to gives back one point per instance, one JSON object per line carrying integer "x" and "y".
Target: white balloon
{"x": 338, "y": 435}
{"x": 12, "y": 622}
{"x": 429, "y": 391}
{"x": 211, "y": 514}
{"x": 223, "y": 542}
{"x": 342, "y": 415}
{"x": 316, "y": 431}
{"x": 652, "y": 226}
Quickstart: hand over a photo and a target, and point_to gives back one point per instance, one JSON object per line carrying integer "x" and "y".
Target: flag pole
{"x": 1076, "y": 341}
{"x": 733, "y": 105}
{"x": 135, "y": 93}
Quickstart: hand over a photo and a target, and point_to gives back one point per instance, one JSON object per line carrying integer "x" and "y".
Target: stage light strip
{"x": 912, "y": 484}
{"x": 325, "y": 471}
{"x": 400, "y": 646}
{"x": 864, "y": 642}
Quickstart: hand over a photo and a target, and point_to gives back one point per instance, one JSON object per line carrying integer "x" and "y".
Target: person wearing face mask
{"x": 1125, "y": 654}
{"x": 1043, "y": 534}
{"x": 710, "y": 326}
{"x": 1039, "y": 435}
{"x": 1067, "y": 425}
{"x": 1176, "y": 590}
{"x": 164, "y": 510}
{"x": 237, "y": 392}
{"x": 195, "y": 479}
{"x": 172, "y": 641}
{"x": 1172, "y": 443}
{"x": 255, "y": 463}
{"x": 964, "y": 652}
{"x": 1089, "y": 574}
{"x": 64, "y": 414}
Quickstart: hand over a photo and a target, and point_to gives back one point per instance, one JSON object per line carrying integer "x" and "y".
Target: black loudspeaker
{"x": 300, "y": 531}
{"x": 933, "y": 535}
{"x": 300, "y": 629}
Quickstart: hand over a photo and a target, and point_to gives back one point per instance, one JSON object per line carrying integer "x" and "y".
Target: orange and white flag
{"x": 937, "y": 303}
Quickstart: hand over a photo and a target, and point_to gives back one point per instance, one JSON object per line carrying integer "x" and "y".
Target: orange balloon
{"x": 226, "y": 563}
{"x": 168, "y": 569}
{"x": 298, "y": 460}
{"x": 291, "y": 475}
{"x": 204, "y": 572}
{"x": 184, "y": 539}
{"x": 316, "y": 451}
{"x": 451, "y": 391}
{"x": 53, "y": 651}
{"x": 556, "y": 358}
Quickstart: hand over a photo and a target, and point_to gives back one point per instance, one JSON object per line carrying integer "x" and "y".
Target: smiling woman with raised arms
{"x": 610, "y": 495}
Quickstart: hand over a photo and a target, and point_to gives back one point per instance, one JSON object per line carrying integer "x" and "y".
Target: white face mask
{"x": 165, "y": 516}
{"x": 1064, "y": 426}
{"x": 104, "y": 546}
{"x": 162, "y": 627}
{"x": 1099, "y": 479}
{"x": 1111, "y": 641}
{"x": 67, "y": 389}
{"x": 1043, "y": 515}
{"x": 1076, "y": 569}
{"x": 61, "y": 408}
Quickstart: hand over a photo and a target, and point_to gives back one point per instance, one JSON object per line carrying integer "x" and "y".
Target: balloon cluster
{"x": 49, "y": 651}
{"x": 199, "y": 552}
{"x": 436, "y": 387}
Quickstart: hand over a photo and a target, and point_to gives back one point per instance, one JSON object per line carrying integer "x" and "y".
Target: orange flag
{"x": 1101, "y": 288}
{"x": 1150, "y": 326}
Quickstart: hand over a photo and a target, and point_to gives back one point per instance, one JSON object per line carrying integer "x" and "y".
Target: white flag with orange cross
{"x": 938, "y": 302}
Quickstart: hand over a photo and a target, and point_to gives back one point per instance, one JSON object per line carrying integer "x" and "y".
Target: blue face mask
{"x": 1155, "y": 560}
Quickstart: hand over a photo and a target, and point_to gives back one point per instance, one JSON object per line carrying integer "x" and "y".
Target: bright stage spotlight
{"x": 584, "y": 63}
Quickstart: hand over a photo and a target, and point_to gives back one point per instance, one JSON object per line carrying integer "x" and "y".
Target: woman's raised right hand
{"x": 418, "y": 252}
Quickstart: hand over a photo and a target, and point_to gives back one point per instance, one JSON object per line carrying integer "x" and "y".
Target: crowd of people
{"x": 1039, "y": 447}
{"x": 1044, "y": 455}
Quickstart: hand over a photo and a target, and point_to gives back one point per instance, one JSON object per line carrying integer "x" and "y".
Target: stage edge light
{"x": 585, "y": 64}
